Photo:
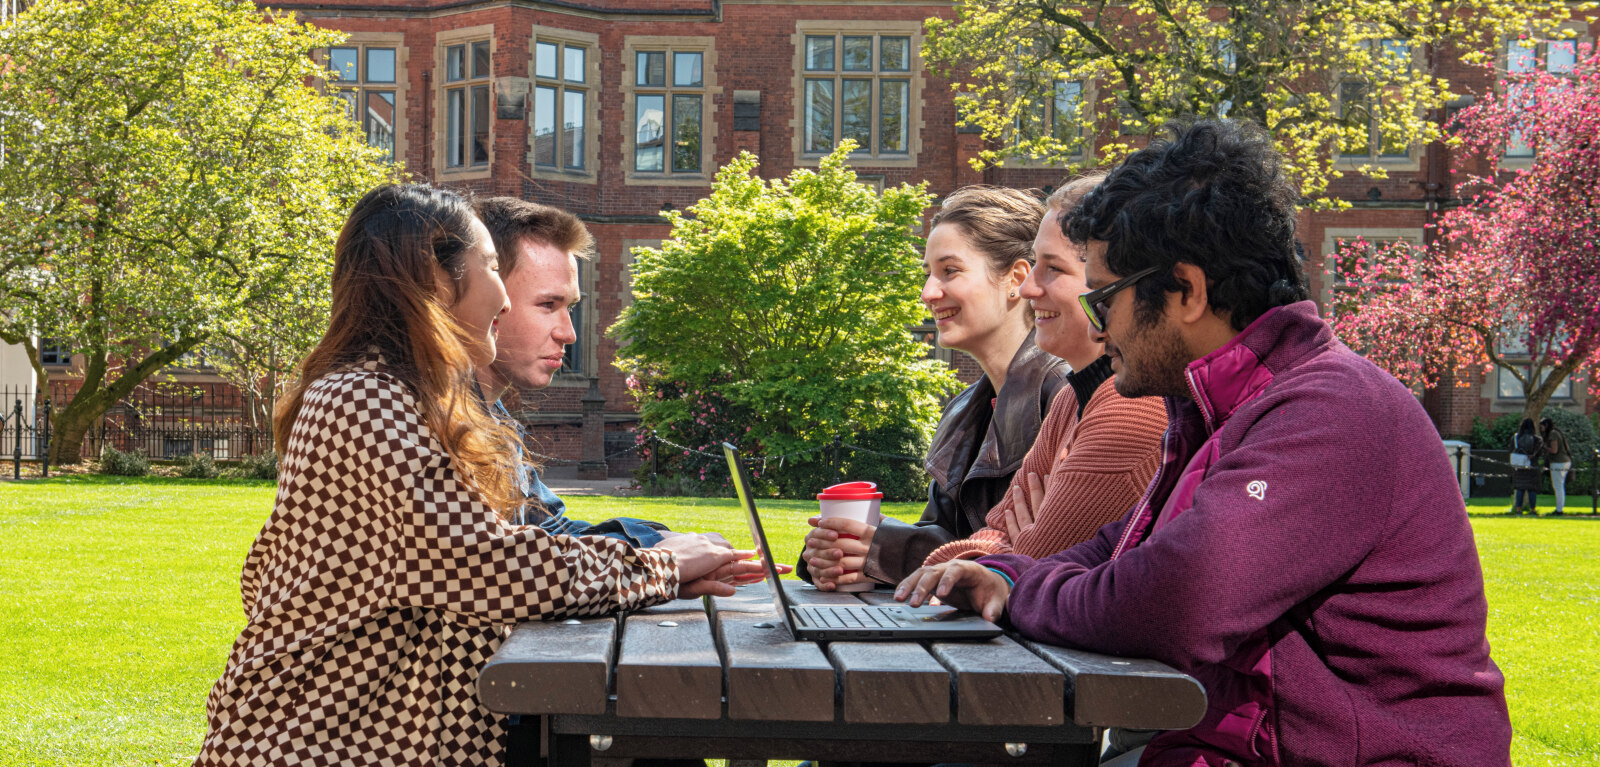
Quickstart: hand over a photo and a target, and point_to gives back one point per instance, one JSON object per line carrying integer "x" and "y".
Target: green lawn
{"x": 119, "y": 600}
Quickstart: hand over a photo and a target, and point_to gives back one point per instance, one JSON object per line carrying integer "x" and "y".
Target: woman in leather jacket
{"x": 979, "y": 252}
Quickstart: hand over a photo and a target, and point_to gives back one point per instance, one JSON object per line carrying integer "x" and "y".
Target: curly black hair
{"x": 1215, "y": 196}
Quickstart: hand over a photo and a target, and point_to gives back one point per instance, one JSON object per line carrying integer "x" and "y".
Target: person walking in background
{"x": 979, "y": 253}
{"x": 1558, "y": 455}
{"x": 1526, "y": 447}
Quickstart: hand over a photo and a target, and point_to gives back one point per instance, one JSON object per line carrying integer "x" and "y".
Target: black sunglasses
{"x": 1094, "y": 302}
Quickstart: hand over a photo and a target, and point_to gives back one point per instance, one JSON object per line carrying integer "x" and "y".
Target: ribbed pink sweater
{"x": 1094, "y": 469}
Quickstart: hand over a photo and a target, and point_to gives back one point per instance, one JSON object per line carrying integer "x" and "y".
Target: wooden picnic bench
{"x": 723, "y": 678}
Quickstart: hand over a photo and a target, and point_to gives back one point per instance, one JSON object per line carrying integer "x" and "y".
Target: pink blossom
{"x": 1518, "y": 261}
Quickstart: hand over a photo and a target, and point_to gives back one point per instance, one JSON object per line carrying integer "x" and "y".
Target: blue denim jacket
{"x": 553, "y": 516}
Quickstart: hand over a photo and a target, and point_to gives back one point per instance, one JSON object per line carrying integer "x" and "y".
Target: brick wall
{"x": 754, "y": 47}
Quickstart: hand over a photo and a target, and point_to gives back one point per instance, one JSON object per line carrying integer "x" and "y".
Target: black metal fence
{"x": 163, "y": 419}
{"x": 1489, "y": 476}
{"x": 24, "y": 430}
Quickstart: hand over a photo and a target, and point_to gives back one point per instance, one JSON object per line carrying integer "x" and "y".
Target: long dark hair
{"x": 386, "y": 297}
{"x": 1526, "y": 427}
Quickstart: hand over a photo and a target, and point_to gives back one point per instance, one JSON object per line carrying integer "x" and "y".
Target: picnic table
{"x": 723, "y": 678}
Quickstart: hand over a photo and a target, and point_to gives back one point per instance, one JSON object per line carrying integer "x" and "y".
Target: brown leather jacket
{"x": 974, "y": 453}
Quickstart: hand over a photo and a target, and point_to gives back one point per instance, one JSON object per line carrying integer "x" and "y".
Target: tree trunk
{"x": 1538, "y": 398}
{"x": 1534, "y": 407}
{"x": 68, "y": 428}
{"x": 74, "y": 420}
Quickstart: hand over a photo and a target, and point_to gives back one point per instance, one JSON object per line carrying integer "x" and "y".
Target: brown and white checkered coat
{"x": 380, "y": 586}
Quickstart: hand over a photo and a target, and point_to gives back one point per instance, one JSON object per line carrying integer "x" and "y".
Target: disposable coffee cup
{"x": 852, "y": 500}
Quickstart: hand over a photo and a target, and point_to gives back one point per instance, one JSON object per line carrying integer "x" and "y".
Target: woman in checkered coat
{"x": 386, "y": 576}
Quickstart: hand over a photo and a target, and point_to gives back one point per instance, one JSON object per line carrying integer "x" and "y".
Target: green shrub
{"x": 887, "y": 462}
{"x": 890, "y": 456}
{"x": 1579, "y": 430}
{"x": 1496, "y": 435}
{"x": 777, "y": 316}
{"x": 263, "y": 466}
{"x": 132, "y": 463}
{"x": 198, "y": 466}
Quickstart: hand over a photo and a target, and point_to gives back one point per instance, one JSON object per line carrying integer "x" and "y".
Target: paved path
{"x": 565, "y": 486}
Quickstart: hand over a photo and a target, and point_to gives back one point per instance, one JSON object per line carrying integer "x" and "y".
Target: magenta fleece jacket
{"x": 1305, "y": 553}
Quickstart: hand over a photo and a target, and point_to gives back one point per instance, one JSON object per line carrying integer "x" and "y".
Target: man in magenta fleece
{"x": 1303, "y": 550}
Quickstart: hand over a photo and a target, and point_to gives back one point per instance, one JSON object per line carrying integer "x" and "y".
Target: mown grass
{"x": 119, "y": 600}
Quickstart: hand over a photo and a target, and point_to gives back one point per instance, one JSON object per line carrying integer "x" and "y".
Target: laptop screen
{"x": 741, "y": 485}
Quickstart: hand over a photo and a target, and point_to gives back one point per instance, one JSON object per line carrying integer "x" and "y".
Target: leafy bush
{"x": 898, "y": 478}
{"x": 689, "y": 460}
{"x": 197, "y": 466}
{"x": 132, "y": 463}
{"x": 1496, "y": 435}
{"x": 1579, "y": 430}
{"x": 264, "y": 466}
{"x": 809, "y": 287}
{"x": 891, "y": 457}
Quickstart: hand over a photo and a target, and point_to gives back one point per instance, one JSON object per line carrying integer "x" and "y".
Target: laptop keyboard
{"x": 849, "y": 618}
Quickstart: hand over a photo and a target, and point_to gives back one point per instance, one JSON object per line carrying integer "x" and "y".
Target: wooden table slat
{"x": 548, "y": 667}
{"x": 1000, "y": 682}
{"x": 770, "y": 676}
{"x": 1125, "y": 692}
{"x": 669, "y": 665}
{"x": 890, "y": 683}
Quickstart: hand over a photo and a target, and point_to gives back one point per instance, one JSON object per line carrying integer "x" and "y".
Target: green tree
{"x": 1040, "y": 78}
{"x": 789, "y": 302}
{"x": 170, "y": 169}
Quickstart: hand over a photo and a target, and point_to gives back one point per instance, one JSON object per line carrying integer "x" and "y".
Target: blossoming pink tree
{"x": 1517, "y": 266}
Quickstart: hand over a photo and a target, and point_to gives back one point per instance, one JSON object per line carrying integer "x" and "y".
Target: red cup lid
{"x": 850, "y": 491}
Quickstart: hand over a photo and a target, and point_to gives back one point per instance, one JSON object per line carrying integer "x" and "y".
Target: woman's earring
{"x": 1013, "y": 294}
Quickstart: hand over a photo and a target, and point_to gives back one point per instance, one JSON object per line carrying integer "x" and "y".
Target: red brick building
{"x": 619, "y": 109}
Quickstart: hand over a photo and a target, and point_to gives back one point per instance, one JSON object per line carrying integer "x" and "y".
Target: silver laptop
{"x": 856, "y": 622}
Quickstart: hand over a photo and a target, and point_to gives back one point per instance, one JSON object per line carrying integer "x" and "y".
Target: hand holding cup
{"x": 836, "y": 550}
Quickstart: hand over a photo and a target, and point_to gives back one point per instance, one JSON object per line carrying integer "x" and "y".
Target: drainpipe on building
{"x": 1442, "y": 401}
{"x": 427, "y": 121}
{"x": 593, "y": 465}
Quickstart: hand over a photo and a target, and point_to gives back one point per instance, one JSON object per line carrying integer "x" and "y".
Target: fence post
{"x": 1594, "y": 481}
{"x": 838, "y": 465}
{"x": 1458, "y": 472}
{"x": 44, "y": 456}
{"x": 655, "y": 455}
{"x": 16, "y": 456}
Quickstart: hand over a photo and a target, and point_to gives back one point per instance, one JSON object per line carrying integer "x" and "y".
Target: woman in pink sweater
{"x": 1096, "y": 450}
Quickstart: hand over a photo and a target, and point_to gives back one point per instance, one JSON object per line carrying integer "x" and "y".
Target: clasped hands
{"x": 709, "y": 565}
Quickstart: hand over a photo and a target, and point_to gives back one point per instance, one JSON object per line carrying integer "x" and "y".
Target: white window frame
{"x": 590, "y": 85}
{"x": 1332, "y": 236}
{"x": 1541, "y": 51}
{"x": 1411, "y": 159}
{"x": 708, "y": 91}
{"x": 913, "y": 76}
{"x": 362, "y": 87}
{"x": 468, "y": 85}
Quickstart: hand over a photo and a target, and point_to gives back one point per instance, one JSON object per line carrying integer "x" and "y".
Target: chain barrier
{"x": 870, "y": 451}
{"x": 748, "y": 459}
{"x": 780, "y": 458}
{"x": 1578, "y": 470}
